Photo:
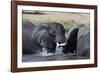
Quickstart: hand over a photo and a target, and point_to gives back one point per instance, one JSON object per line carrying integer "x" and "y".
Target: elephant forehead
{"x": 41, "y": 33}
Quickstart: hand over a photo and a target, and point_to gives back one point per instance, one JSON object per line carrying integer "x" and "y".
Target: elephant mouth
{"x": 61, "y": 44}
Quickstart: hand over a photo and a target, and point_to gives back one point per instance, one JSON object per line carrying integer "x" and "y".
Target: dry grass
{"x": 67, "y": 19}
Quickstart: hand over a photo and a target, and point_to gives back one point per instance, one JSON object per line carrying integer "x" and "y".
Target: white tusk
{"x": 58, "y": 44}
{"x": 62, "y": 44}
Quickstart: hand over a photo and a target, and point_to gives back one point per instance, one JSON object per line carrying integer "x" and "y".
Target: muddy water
{"x": 55, "y": 57}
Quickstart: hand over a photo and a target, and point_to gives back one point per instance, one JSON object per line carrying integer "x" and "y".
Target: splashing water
{"x": 59, "y": 50}
{"x": 44, "y": 51}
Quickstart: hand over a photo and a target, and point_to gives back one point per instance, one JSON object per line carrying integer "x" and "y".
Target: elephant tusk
{"x": 62, "y": 44}
{"x": 58, "y": 44}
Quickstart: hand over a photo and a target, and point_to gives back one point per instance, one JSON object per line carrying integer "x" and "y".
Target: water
{"x": 44, "y": 53}
{"x": 59, "y": 50}
{"x": 53, "y": 57}
{"x": 44, "y": 56}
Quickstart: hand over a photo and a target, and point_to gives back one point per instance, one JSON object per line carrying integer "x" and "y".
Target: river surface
{"x": 54, "y": 57}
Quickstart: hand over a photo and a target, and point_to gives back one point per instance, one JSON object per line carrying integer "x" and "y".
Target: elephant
{"x": 27, "y": 28}
{"x": 42, "y": 37}
{"x": 56, "y": 30}
{"x": 71, "y": 41}
{"x": 46, "y": 36}
{"x": 83, "y": 42}
{"x": 78, "y": 41}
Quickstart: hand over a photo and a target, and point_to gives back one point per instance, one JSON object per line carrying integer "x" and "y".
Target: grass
{"x": 67, "y": 19}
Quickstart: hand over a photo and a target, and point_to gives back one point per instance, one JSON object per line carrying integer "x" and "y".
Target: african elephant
{"x": 47, "y": 35}
{"x": 44, "y": 36}
{"x": 78, "y": 41}
{"x": 83, "y": 41}
{"x": 71, "y": 41}
{"x": 27, "y": 43}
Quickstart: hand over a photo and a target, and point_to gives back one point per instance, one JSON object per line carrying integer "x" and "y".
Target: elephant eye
{"x": 53, "y": 35}
{"x": 51, "y": 31}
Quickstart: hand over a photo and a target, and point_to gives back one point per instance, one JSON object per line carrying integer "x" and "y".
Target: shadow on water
{"x": 54, "y": 57}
